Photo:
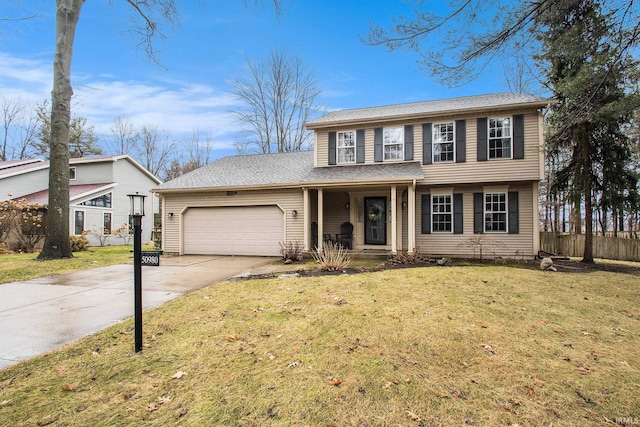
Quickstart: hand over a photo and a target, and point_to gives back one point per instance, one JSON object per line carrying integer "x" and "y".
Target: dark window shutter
{"x": 377, "y": 145}
{"x": 482, "y": 139}
{"x": 360, "y": 146}
{"x": 514, "y": 225}
{"x": 426, "y": 214}
{"x": 332, "y": 148}
{"x": 518, "y": 136}
{"x": 427, "y": 137}
{"x": 461, "y": 141}
{"x": 408, "y": 142}
{"x": 458, "y": 227}
{"x": 478, "y": 213}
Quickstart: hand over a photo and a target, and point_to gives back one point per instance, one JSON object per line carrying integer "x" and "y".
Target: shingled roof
{"x": 284, "y": 170}
{"x": 441, "y": 106}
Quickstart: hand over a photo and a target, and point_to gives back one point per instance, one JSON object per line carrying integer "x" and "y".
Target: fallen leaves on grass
{"x": 62, "y": 369}
{"x": 68, "y": 387}
{"x": 335, "y": 381}
{"x": 414, "y": 417}
{"x": 178, "y": 375}
{"x": 153, "y": 406}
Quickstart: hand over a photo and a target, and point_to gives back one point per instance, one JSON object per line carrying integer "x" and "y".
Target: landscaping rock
{"x": 547, "y": 265}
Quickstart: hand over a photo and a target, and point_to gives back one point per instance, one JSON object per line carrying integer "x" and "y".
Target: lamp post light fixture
{"x": 137, "y": 212}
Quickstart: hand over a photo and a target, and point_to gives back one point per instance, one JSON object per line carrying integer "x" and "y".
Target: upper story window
{"x": 72, "y": 173}
{"x": 393, "y": 143}
{"x": 495, "y": 212}
{"x": 103, "y": 201}
{"x": 443, "y": 142}
{"x": 500, "y": 138}
{"x": 346, "y": 147}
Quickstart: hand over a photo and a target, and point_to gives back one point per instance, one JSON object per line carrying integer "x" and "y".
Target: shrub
{"x": 22, "y": 224}
{"x": 125, "y": 232}
{"x": 406, "y": 258}
{"x": 291, "y": 250}
{"x": 79, "y": 243}
{"x": 333, "y": 258}
{"x": 102, "y": 235}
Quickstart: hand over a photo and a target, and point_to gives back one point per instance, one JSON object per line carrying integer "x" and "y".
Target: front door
{"x": 375, "y": 220}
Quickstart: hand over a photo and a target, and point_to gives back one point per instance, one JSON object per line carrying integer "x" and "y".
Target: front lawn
{"x": 480, "y": 345}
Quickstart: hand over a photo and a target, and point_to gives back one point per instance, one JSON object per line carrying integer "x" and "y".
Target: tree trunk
{"x": 56, "y": 243}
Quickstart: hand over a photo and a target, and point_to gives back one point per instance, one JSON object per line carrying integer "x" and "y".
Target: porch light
{"x": 136, "y": 204}
{"x": 404, "y": 205}
{"x": 347, "y": 206}
{"x": 294, "y": 213}
{"x": 170, "y": 215}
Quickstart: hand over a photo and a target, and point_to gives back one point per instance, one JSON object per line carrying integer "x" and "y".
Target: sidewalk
{"x": 43, "y": 314}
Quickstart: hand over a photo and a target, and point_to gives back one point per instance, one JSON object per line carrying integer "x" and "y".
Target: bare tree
{"x": 149, "y": 17}
{"x": 457, "y": 46}
{"x": 199, "y": 149}
{"x": 278, "y": 97}
{"x": 155, "y": 148}
{"x": 18, "y": 129}
{"x": 125, "y": 137}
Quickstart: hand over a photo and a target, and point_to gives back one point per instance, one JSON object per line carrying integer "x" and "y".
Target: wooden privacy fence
{"x": 603, "y": 247}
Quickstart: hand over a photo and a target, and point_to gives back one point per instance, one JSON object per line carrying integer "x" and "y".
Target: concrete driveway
{"x": 43, "y": 314}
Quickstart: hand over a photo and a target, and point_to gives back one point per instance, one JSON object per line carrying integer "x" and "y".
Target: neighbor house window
{"x": 495, "y": 212}
{"x": 106, "y": 224}
{"x": 346, "y": 147}
{"x": 72, "y": 173}
{"x": 441, "y": 214}
{"x": 443, "y": 142}
{"x": 78, "y": 222}
{"x": 500, "y": 138}
{"x": 103, "y": 201}
{"x": 393, "y": 143}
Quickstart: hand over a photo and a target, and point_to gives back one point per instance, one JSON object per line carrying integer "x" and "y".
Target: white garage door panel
{"x": 246, "y": 230}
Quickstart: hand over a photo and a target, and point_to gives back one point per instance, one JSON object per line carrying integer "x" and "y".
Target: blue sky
{"x": 210, "y": 47}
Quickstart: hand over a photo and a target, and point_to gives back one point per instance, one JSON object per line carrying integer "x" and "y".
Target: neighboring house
{"x": 454, "y": 177}
{"x": 98, "y": 191}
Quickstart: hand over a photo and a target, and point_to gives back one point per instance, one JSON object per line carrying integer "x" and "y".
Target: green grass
{"x": 17, "y": 267}
{"x": 483, "y": 345}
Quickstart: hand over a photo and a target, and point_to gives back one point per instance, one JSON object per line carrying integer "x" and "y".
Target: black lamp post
{"x": 137, "y": 212}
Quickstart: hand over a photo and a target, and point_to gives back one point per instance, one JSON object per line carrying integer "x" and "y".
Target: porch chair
{"x": 345, "y": 238}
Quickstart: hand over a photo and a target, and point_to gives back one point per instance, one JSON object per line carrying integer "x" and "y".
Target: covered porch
{"x": 381, "y": 216}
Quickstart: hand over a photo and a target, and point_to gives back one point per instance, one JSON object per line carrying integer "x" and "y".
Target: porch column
{"x": 320, "y": 221}
{"x": 307, "y": 219}
{"x": 394, "y": 220}
{"x": 411, "y": 219}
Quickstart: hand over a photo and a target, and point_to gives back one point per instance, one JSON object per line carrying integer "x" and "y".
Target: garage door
{"x": 246, "y": 230}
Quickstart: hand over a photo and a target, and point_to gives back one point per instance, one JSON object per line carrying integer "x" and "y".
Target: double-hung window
{"x": 78, "y": 222}
{"x": 441, "y": 214}
{"x": 393, "y": 143}
{"x": 346, "y": 147}
{"x": 500, "y": 138}
{"x": 495, "y": 212}
{"x": 443, "y": 142}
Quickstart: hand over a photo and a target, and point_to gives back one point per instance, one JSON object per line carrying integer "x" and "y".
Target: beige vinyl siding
{"x": 490, "y": 170}
{"x": 526, "y": 169}
{"x": 178, "y": 203}
{"x": 334, "y": 212}
{"x": 468, "y": 244}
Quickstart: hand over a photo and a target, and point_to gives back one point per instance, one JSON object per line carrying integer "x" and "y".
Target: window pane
{"x": 107, "y": 223}
{"x": 443, "y": 138}
{"x": 78, "y": 222}
{"x": 346, "y": 147}
{"x": 499, "y": 138}
{"x": 441, "y": 217}
{"x": 393, "y": 141}
{"x": 495, "y": 217}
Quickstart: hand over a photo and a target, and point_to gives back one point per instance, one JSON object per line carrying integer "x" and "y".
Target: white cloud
{"x": 175, "y": 106}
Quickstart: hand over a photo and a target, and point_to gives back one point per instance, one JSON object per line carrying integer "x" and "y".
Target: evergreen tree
{"x": 586, "y": 68}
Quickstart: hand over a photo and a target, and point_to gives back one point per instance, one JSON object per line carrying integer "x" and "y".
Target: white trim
{"x": 506, "y": 213}
{"x": 338, "y": 147}
{"x": 510, "y": 118}
{"x": 433, "y": 141}
{"x": 400, "y": 142}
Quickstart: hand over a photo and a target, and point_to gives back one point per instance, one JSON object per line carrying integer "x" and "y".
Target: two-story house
{"x": 98, "y": 189}
{"x": 453, "y": 177}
